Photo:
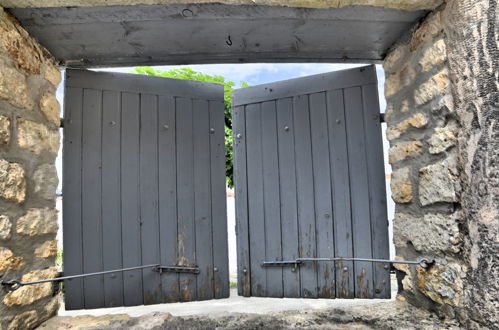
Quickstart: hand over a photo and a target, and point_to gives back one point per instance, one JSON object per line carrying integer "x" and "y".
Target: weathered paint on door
{"x": 310, "y": 183}
{"x": 144, "y": 183}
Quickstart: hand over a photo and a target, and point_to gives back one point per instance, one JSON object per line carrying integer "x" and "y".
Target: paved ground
{"x": 391, "y": 315}
{"x": 234, "y": 304}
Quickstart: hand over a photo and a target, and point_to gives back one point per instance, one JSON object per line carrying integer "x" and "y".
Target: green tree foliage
{"x": 189, "y": 74}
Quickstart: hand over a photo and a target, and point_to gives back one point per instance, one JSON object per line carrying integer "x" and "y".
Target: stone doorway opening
{"x": 436, "y": 115}
{"x": 287, "y": 71}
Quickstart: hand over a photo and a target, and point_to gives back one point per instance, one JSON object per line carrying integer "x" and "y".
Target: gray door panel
{"x": 144, "y": 183}
{"x": 310, "y": 183}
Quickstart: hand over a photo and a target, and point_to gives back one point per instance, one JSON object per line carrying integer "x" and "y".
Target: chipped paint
{"x": 181, "y": 259}
{"x": 344, "y": 280}
{"x": 362, "y": 285}
{"x": 173, "y": 294}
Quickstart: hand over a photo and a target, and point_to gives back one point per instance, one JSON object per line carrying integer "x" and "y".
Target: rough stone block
{"x": 434, "y": 56}
{"x": 52, "y": 74}
{"x": 31, "y": 319}
{"x": 12, "y": 182}
{"x": 27, "y": 295}
{"x": 403, "y": 150}
{"x": 437, "y": 85}
{"x": 390, "y": 112}
{"x": 46, "y": 249}
{"x": 393, "y": 111}
{"x": 37, "y": 137}
{"x": 436, "y": 184}
{"x": 51, "y": 308}
{"x": 13, "y": 87}
{"x": 395, "y": 58}
{"x": 402, "y": 78}
{"x": 441, "y": 283}
{"x": 429, "y": 30}
{"x": 5, "y": 227}
{"x": 419, "y": 120}
{"x": 401, "y": 186}
{"x": 407, "y": 281}
{"x": 429, "y": 234}
{"x": 391, "y": 85}
{"x": 50, "y": 108}
{"x": 17, "y": 43}
{"x": 26, "y": 320}
{"x": 46, "y": 181}
{"x": 37, "y": 222}
{"x": 4, "y": 130}
{"x": 442, "y": 139}
{"x": 9, "y": 261}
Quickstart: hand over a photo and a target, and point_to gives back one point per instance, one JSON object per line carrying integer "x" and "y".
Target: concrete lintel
{"x": 214, "y": 33}
{"x": 392, "y": 4}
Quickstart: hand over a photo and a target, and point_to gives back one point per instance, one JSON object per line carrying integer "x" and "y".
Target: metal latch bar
{"x": 13, "y": 285}
{"x": 290, "y": 263}
{"x": 176, "y": 269}
{"x": 424, "y": 262}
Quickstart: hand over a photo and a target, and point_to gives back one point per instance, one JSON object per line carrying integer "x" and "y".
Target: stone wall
{"x": 422, "y": 128}
{"x": 472, "y": 47}
{"x": 29, "y": 142}
{"x": 442, "y": 117}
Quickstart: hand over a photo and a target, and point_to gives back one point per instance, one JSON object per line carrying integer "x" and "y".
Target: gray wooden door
{"x": 144, "y": 183}
{"x": 310, "y": 183}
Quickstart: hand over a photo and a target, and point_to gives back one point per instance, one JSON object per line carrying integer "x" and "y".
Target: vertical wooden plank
{"x": 149, "y": 220}
{"x": 185, "y": 197}
{"x": 111, "y": 203}
{"x": 116, "y": 185}
{"x": 91, "y": 197}
{"x": 256, "y": 215}
{"x": 377, "y": 191}
{"x": 287, "y": 187}
{"x": 271, "y": 202}
{"x": 71, "y": 204}
{"x": 202, "y": 198}
{"x": 130, "y": 219}
{"x": 305, "y": 195}
{"x": 219, "y": 200}
{"x": 167, "y": 192}
{"x": 322, "y": 191}
{"x": 340, "y": 184}
{"x": 241, "y": 194}
{"x": 359, "y": 192}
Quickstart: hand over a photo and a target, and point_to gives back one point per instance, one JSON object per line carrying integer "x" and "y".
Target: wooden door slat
{"x": 320, "y": 160}
{"x": 145, "y": 185}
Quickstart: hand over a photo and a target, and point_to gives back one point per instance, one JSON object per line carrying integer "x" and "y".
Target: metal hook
{"x": 187, "y": 13}
{"x": 426, "y": 263}
{"x": 228, "y": 42}
{"x": 12, "y": 285}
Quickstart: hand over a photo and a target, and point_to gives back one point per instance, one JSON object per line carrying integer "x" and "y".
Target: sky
{"x": 253, "y": 74}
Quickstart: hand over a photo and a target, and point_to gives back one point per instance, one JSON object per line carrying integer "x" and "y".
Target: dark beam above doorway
{"x": 214, "y": 33}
